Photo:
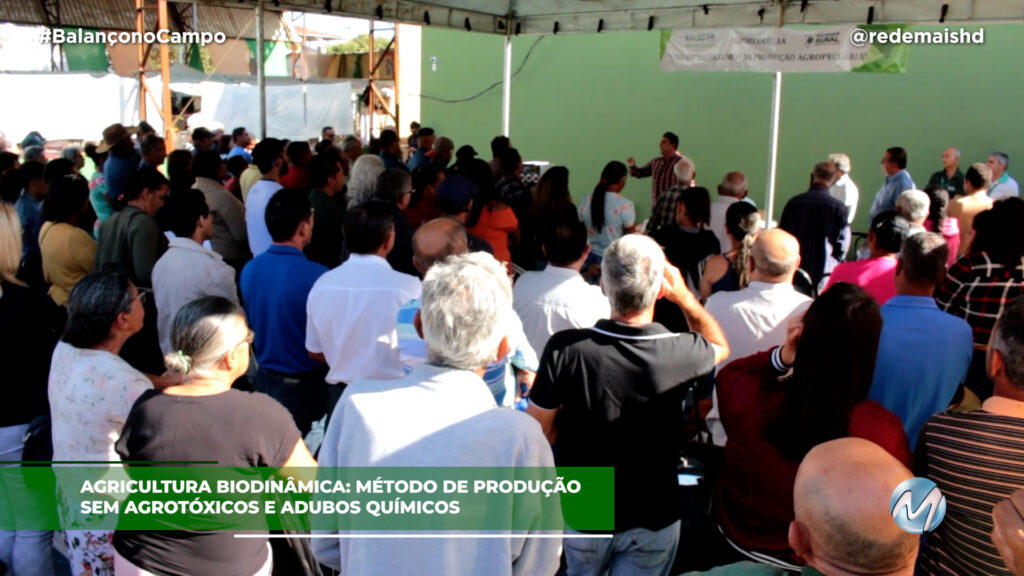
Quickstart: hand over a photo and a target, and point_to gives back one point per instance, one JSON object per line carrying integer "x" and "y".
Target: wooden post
{"x": 140, "y": 27}
{"x": 165, "y": 78}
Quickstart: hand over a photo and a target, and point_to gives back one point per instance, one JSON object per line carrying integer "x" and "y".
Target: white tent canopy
{"x": 589, "y": 16}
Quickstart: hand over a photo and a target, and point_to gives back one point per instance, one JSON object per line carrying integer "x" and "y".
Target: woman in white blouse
{"x": 91, "y": 392}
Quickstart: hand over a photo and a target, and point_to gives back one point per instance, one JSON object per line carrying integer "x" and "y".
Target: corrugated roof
{"x": 120, "y": 15}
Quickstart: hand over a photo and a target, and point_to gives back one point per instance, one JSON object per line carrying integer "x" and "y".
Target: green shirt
{"x": 131, "y": 242}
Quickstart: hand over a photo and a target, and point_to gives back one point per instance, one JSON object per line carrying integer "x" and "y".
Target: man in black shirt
{"x": 950, "y": 178}
{"x": 612, "y": 394}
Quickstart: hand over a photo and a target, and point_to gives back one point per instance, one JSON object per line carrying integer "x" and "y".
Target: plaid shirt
{"x": 664, "y": 211}
{"x": 661, "y": 169}
{"x": 976, "y": 289}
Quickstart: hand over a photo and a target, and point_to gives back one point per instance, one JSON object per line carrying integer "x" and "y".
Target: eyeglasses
{"x": 142, "y": 295}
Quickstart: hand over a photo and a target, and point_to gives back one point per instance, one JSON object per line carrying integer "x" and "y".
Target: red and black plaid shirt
{"x": 661, "y": 169}
{"x": 976, "y": 289}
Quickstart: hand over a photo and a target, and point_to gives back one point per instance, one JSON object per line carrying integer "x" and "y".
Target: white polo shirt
{"x": 352, "y": 316}
{"x": 255, "y": 215}
{"x": 556, "y": 299}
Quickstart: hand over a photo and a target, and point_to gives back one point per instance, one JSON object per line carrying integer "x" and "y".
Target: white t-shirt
{"x": 255, "y": 215}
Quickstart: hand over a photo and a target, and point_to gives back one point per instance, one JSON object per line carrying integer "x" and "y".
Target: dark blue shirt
{"x": 275, "y": 286}
{"x": 392, "y": 161}
{"x": 116, "y": 171}
{"x": 418, "y": 159}
{"x": 819, "y": 223}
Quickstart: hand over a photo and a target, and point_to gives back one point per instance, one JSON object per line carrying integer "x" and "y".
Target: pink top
{"x": 877, "y": 276}
{"x": 951, "y": 234}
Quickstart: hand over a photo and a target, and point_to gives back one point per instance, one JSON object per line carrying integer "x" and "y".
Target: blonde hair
{"x": 10, "y": 243}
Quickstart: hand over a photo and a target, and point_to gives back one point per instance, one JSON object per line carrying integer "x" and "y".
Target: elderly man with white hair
{"x": 914, "y": 205}
{"x": 843, "y": 188}
{"x": 1003, "y": 185}
{"x": 442, "y": 414}
{"x": 732, "y": 189}
{"x": 663, "y": 213}
{"x": 616, "y": 390}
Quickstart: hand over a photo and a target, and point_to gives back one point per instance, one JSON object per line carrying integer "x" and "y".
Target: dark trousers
{"x": 305, "y": 395}
{"x": 333, "y": 395}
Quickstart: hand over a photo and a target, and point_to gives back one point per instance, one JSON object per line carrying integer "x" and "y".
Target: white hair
{"x": 467, "y": 301}
{"x": 913, "y": 205}
{"x": 631, "y": 273}
{"x": 363, "y": 183}
{"x": 684, "y": 169}
{"x": 840, "y": 161}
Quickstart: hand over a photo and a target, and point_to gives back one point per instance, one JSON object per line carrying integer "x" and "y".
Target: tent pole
{"x": 506, "y": 83}
{"x": 165, "y": 80}
{"x": 261, "y": 79}
{"x": 773, "y": 148}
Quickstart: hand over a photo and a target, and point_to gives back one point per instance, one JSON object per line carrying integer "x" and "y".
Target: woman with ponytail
{"x": 204, "y": 418}
{"x": 730, "y": 271}
{"x": 607, "y": 214}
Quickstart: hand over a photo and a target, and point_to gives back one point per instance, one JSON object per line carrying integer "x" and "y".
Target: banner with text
{"x": 832, "y": 49}
{"x": 238, "y": 499}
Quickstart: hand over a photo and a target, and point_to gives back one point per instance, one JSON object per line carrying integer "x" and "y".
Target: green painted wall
{"x": 583, "y": 100}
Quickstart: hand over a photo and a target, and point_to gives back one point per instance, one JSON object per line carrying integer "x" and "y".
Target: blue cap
{"x": 455, "y": 193}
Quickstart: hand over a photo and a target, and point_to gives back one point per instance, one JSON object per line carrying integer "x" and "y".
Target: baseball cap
{"x": 455, "y": 193}
{"x": 465, "y": 151}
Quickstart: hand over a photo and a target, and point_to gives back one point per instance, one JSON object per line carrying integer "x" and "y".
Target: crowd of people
{"x": 259, "y": 303}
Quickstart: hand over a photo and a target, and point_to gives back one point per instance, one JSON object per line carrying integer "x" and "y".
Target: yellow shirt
{"x": 69, "y": 253}
{"x": 250, "y": 176}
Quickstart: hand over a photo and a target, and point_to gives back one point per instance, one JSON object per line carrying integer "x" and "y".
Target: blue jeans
{"x": 25, "y": 552}
{"x": 636, "y": 552}
{"x": 304, "y": 394}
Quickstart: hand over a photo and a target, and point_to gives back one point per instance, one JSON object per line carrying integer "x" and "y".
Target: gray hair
{"x": 631, "y": 273}
{"x": 350, "y": 143}
{"x": 684, "y": 169}
{"x": 1008, "y": 339}
{"x": 467, "y": 301}
{"x": 841, "y": 162}
{"x": 1002, "y": 158}
{"x": 204, "y": 331}
{"x": 33, "y": 153}
{"x": 362, "y": 184}
{"x": 913, "y": 205}
{"x": 71, "y": 153}
{"x": 734, "y": 184}
{"x": 94, "y": 305}
{"x": 924, "y": 259}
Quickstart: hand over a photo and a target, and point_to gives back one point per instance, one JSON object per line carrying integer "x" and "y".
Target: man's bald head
{"x": 841, "y": 501}
{"x": 437, "y": 240}
{"x": 775, "y": 256}
{"x": 734, "y": 184}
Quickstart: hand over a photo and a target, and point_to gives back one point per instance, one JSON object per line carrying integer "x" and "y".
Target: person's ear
{"x": 995, "y": 365}
{"x": 799, "y": 540}
{"x": 417, "y": 322}
{"x": 899, "y": 267}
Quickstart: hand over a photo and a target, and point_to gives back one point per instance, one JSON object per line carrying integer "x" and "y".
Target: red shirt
{"x": 755, "y": 493}
{"x": 297, "y": 177}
